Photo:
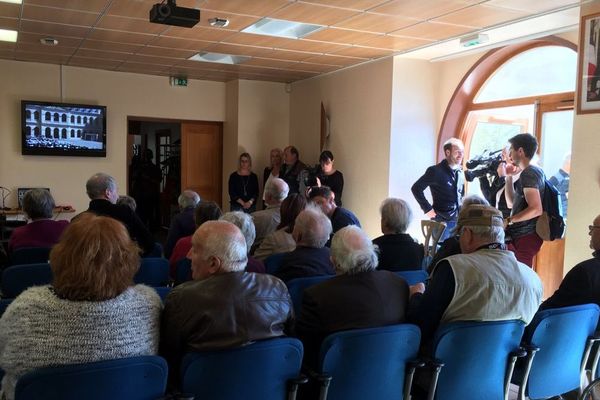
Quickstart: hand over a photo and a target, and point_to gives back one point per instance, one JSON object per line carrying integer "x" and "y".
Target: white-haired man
{"x": 222, "y": 306}
{"x": 446, "y": 183}
{"x": 360, "y": 296}
{"x": 310, "y": 258}
{"x": 484, "y": 283}
{"x": 183, "y": 223}
{"x": 103, "y": 193}
{"x": 266, "y": 221}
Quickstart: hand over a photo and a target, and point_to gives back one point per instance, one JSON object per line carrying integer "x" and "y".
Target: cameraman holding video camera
{"x": 489, "y": 169}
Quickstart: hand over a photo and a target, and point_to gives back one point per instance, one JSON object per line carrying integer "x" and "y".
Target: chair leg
{"x": 531, "y": 350}
{"x": 437, "y": 367}
{"x": 586, "y": 355}
{"x": 410, "y": 373}
{"x": 324, "y": 390}
{"x": 511, "y": 368}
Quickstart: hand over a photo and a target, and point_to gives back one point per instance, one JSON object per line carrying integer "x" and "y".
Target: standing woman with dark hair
{"x": 330, "y": 176}
{"x": 91, "y": 312}
{"x": 42, "y": 231}
{"x": 243, "y": 186}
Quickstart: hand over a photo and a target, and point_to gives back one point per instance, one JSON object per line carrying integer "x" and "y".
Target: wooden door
{"x": 201, "y": 159}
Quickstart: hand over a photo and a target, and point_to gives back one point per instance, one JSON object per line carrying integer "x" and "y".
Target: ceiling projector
{"x": 169, "y": 14}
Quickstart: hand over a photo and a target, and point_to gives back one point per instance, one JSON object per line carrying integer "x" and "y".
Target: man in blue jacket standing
{"x": 447, "y": 185}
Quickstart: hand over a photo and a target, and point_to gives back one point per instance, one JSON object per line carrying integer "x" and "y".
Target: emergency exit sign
{"x": 175, "y": 81}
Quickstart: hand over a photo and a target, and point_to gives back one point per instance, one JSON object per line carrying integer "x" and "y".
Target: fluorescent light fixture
{"x": 7, "y": 35}
{"x": 219, "y": 58}
{"x": 12, "y": 1}
{"x": 282, "y": 28}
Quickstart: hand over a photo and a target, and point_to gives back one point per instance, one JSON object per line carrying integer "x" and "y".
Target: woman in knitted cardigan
{"x": 92, "y": 311}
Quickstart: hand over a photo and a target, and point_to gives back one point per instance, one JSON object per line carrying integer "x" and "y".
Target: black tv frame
{"x": 44, "y": 151}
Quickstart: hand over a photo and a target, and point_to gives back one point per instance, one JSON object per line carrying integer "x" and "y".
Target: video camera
{"x": 310, "y": 174}
{"x": 486, "y": 163}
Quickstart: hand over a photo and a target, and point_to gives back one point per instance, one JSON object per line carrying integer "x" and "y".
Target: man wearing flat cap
{"x": 484, "y": 283}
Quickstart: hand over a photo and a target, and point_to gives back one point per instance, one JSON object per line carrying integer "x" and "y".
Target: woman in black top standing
{"x": 331, "y": 177}
{"x": 243, "y": 186}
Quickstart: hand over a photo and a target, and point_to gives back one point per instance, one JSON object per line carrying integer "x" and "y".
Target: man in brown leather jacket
{"x": 223, "y": 306}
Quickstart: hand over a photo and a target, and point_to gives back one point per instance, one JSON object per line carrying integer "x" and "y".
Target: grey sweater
{"x": 39, "y": 329}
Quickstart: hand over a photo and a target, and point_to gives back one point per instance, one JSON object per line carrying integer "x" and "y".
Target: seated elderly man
{"x": 183, "y": 223}
{"x": 310, "y": 258}
{"x": 103, "y": 193}
{"x": 267, "y": 220}
{"x": 484, "y": 283}
{"x": 42, "y": 231}
{"x": 222, "y": 306}
{"x": 359, "y": 296}
{"x": 244, "y": 222}
{"x": 398, "y": 251}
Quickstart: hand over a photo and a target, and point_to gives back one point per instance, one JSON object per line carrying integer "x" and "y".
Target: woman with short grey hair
{"x": 398, "y": 251}
{"x": 246, "y": 225}
{"x": 42, "y": 230}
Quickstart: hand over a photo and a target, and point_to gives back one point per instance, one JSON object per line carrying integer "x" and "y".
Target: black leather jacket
{"x": 222, "y": 311}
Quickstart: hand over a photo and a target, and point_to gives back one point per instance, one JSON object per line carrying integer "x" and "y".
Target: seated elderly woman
{"x": 42, "y": 231}
{"x": 246, "y": 225}
{"x": 91, "y": 312}
{"x": 281, "y": 241}
{"x": 398, "y": 251}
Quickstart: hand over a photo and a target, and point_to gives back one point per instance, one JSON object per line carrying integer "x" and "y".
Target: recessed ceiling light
{"x": 48, "y": 41}
{"x": 7, "y": 35}
{"x": 12, "y": 1}
{"x": 218, "y": 22}
{"x": 282, "y": 28}
{"x": 219, "y": 58}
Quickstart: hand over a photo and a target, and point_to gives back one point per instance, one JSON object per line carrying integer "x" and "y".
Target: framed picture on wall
{"x": 588, "y": 77}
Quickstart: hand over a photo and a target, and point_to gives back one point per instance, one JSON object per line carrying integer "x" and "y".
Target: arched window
{"x": 28, "y": 130}
{"x": 79, "y": 119}
{"x": 47, "y": 116}
{"x": 85, "y": 120}
{"x": 56, "y": 117}
{"x": 63, "y": 117}
{"x": 36, "y": 131}
{"x": 47, "y": 132}
{"x": 28, "y": 114}
{"x": 72, "y": 132}
{"x": 56, "y": 133}
{"x": 72, "y": 119}
{"x": 63, "y": 133}
{"x": 526, "y": 87}
{"x": 36, "y": 115}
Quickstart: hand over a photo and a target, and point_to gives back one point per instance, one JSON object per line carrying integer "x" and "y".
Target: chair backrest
{"x": 143, "y": 378}
{"x": 162, "y": 291}
{"x": 432, "y": 231}
{"x": 413, "y": 277}
{"x": 561, "y": 335}
{"x": 273, "y": 262}
{"x": 154, "y": 271}
{"x": 258, "y": 371}
{"x": 157, "y": 251}
{"x": 183, "y": 273}
{"x": 475, "y": 356}
{"x": 369, "y": 363}
{"x": 18, "y": 278}
{"x": 296, "y": 288}
{"x": 30, "y": 255}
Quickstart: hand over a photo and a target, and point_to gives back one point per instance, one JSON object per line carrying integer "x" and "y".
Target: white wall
{"x": 358, "y": 102}
{"x": 414, "y": 130}
{"x": 124, "y": 94}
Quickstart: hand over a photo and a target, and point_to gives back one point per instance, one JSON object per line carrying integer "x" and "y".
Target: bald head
{"x": 312, "y": 228}
{"x": 217, "y": 247}
{"x": 352, "y": 251}
{"x": 276, "y": 191}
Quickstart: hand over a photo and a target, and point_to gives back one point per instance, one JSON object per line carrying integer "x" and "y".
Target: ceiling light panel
{"x": 7, "y": 35}
{"x": 12, "y": 1}
{"x": 219, "y": 58}
{"x": 282, "y": 28}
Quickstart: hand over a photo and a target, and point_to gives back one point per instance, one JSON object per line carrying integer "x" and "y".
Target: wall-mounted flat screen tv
{"x": 60, "y": 129}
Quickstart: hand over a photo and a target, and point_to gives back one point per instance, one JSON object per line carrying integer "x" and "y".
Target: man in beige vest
{"x": 484, "y": 283}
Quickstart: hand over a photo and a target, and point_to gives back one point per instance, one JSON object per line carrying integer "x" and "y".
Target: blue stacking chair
{"x": 560, "y": 340}
{"x": 4, "y": 303}
{"x": 478, "y": 359}
{"x": 18, "y": 278}
{"x": 157, "y": 251}
{"x": 153, "y": 271}
{"x": 141, "y": 378}
{"x": 183, "y": 273}
{"x": 265, "y": 370}
{"x": 162, "y": 291}
{"x": 273, "y": 262}
{"x": 373, "y": 363}
{"x": 30, "y": 255}
{"x": 296, "y": 288}
{"x": 413, "y": 277}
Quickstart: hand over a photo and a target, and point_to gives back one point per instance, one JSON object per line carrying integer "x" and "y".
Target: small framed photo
{"x": 588, "y": 76}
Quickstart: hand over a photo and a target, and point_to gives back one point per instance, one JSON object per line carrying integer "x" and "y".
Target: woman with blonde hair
{"x": 243, "y": 186}
{"x": 91, "y": 312}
